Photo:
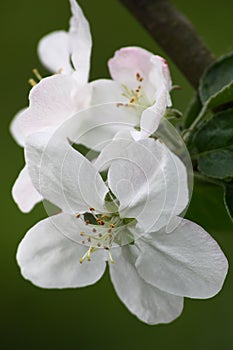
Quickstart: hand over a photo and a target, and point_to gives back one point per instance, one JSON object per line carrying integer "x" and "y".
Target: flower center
{"x": 135, "y": 96}
{"x": 103, "y": 232}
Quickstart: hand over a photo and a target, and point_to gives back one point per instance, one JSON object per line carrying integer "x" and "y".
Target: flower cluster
{"x": 121, "y": 207}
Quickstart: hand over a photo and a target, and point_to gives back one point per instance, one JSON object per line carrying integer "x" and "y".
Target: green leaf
{"x": 192, "y": 111}
{"x": 228, "y": 198}
{"x": 216, "y": 85}
{"x": 214, "y": 145}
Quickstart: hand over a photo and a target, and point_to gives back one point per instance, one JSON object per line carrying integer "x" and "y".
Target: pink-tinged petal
{"x": 134, "y": 66}
{"x": 49, "y": 255}
{"x": 51, "y": 103}
{"x": 186, "y": 262}
{"x": 129, "y": 61}
{"x": 24, "y": 193}
{"x": 166, "y": 75}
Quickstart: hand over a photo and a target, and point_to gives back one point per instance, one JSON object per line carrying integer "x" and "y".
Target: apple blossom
{"x": 145, "y": 185}
{"x": 140, "y": 78}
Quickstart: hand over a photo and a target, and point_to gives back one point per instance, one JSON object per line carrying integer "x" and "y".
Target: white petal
{"x": 80, "y": 42}
{"x": 54, "y": 52}
{"x": 51, "y": 103}
{"x": 110, "y": 153}
{"x": 58, "y": 49}
{"x": 152, "y": 116}
{"x": 106, "y": 91}
{"x": 24, "y": 193}
{"x": 148, "y": 303}
{"x": 97, "y": 126}
{"x": 63, "y": 176}
{"x": 187, "y": 262}
{"x": 150, "y": 183}
{"x": 49, "y": 258}
{"x": 16, "y": 130}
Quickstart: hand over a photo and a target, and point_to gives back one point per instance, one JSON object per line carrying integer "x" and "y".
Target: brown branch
{"x": 175, "y": 34}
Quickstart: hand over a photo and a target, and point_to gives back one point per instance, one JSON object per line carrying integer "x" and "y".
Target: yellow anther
{"x": 32, "y": 82}
{"x": 78, "y": 216}
{"x": 112, "y": 225}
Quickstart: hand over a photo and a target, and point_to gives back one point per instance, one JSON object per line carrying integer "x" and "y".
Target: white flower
{"x": 140, "y": 78}
{"x": 52, "y": 100}
{"x": 146, "y": 184}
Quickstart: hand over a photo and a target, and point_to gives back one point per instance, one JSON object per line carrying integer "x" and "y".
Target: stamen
{"x": 110, "y": 257}
{"x": 37, "y": 74}
{"x": 87, "y": 255}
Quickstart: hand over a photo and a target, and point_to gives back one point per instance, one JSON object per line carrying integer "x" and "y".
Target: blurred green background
{"x": 93, "y": 317}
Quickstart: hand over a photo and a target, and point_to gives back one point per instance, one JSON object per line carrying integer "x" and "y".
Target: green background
{"x": 93, "y": 317}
